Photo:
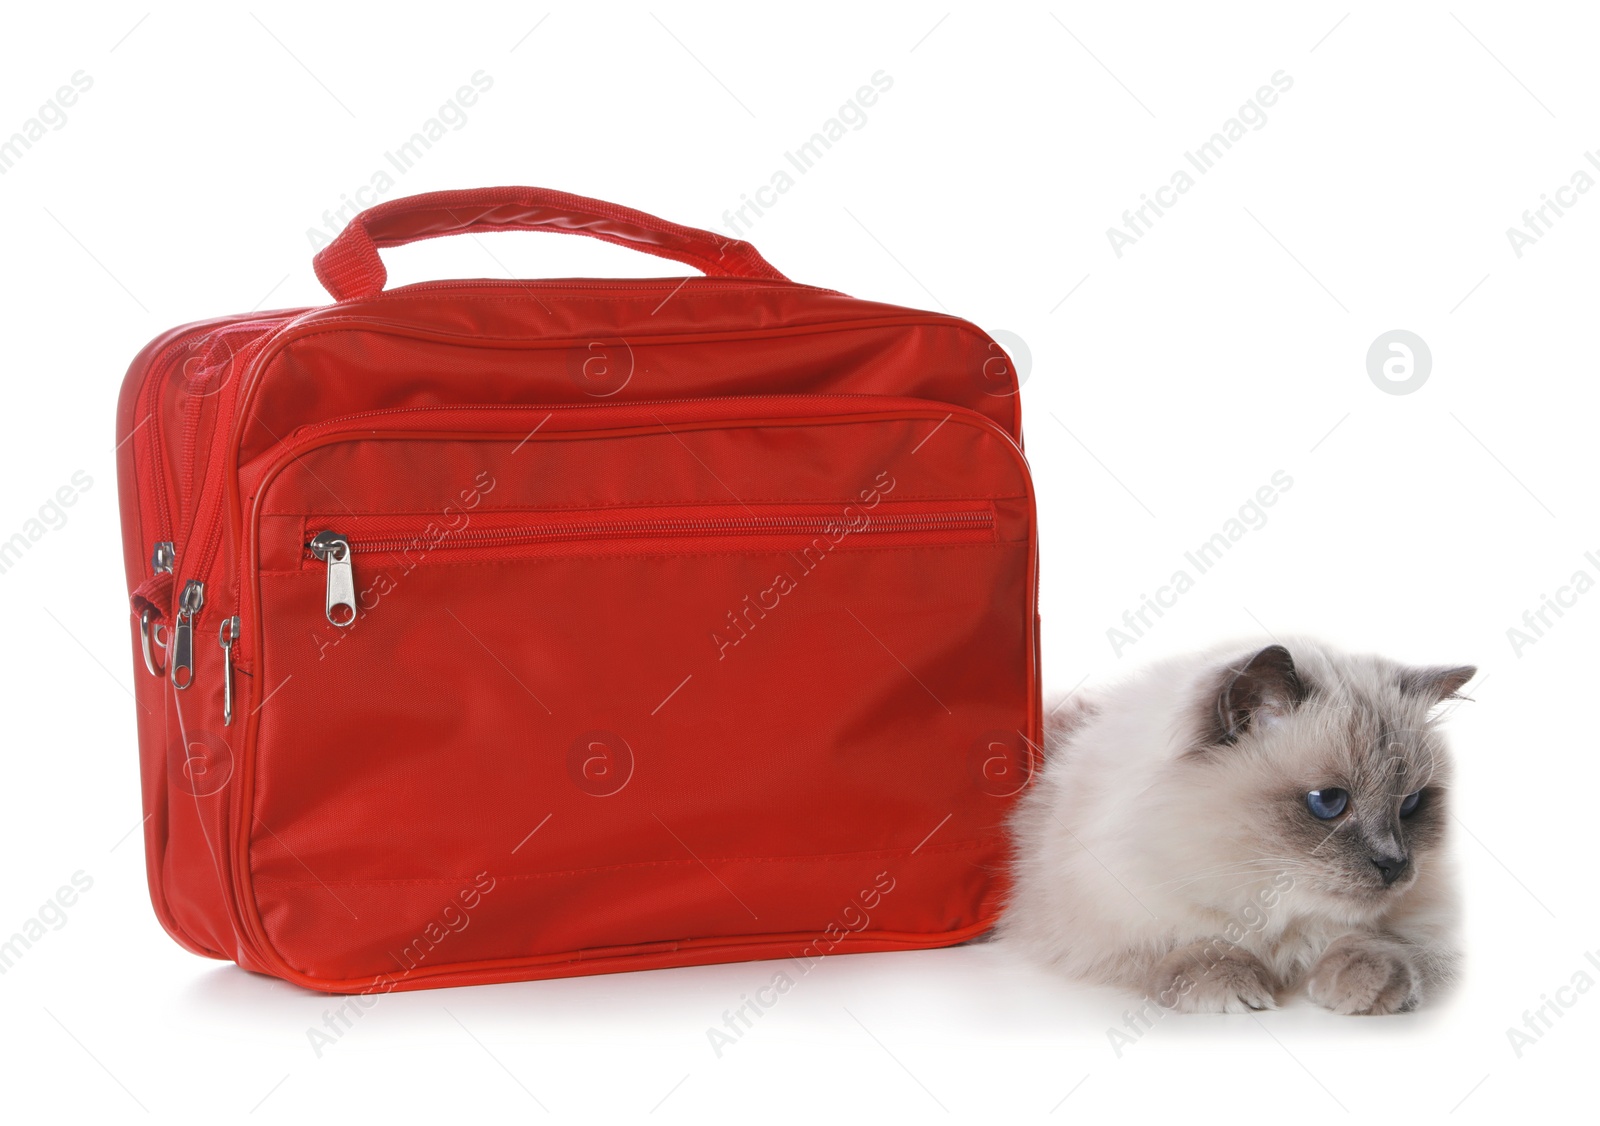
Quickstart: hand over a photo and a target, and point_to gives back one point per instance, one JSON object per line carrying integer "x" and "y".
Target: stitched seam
{"x": 918, "y": 318}
{"x": 958, "y": 846}
{"x": 581, "y": 506}
{"x": 311, "y": 566}
{"x": 639, "y": 292}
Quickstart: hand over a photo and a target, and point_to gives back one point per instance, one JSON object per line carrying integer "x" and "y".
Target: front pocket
{"x": 806, "y": 532}
{"x": 584, "y": 685}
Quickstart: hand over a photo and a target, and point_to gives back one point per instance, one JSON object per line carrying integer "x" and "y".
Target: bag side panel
{"x": 150, "y": 414}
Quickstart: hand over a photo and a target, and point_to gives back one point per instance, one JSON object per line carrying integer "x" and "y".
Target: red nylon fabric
{"x": 691, "y": 620}
{"x": 349, "y": 267}
{"x": 155, "y": 595}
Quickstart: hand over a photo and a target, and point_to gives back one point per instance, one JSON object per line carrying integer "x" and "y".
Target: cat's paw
{"x": 1212, "y": 977}
{"x": 1362, "y": 975}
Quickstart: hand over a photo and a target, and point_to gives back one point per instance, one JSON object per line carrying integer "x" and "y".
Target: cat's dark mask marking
{"x": 1267, "y": 686}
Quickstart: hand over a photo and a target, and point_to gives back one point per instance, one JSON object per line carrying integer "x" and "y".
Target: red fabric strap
{"x": 349, "y": 267}
{"x": 155, "y": 593}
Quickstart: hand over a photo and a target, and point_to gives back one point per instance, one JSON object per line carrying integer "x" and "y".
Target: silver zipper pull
{"x": 334, "y": 550}
{"x": 226, "y": 636}
{"x": 162, "y": 557}
{"x": 189, "y": 604}
{"x": 148, "y": 643}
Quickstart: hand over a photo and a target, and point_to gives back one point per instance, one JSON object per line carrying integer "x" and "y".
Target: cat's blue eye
{"x": 1327, "y": 804}
{"x": 1409, "y": 805}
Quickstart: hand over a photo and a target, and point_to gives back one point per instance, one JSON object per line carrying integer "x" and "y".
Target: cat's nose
{"x": 1391, "y": 867}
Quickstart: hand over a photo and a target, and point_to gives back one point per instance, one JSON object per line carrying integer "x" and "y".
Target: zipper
{"x": 226, "y": 636}
{"x": 156, "y": 454}
{"x": 159, "y": 372}
{"x": 212, "y": 540}
{"x": 335, "y": 549}
{"x": 189, "y": 604}
{"x": 344, "y": 421}
{"x": 179, "y": 479}
{"x": 711, "y": 526}
{"x": 343, "y": 608}
{"x": 162, "y": 558}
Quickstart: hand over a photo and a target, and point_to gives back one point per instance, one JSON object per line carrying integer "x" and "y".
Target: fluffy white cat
{"x": 1224, "y": 829}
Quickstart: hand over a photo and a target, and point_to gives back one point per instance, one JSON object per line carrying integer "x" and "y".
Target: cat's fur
{"x": 1166, "y": 847}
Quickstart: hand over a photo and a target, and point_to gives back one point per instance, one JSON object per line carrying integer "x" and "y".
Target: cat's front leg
{"x": 1367, "y": 975}
{"x": 1212, "y": 976}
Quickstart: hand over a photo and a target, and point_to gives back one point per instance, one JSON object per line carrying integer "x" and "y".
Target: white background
{"x": 1166, "y": 386}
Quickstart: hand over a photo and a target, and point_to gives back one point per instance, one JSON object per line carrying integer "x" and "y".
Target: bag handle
{"x": 349, "y": 266}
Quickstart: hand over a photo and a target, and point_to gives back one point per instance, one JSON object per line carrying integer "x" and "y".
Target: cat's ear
{"x": 1257, "y": 692}
{"x": 1436, "y": 684}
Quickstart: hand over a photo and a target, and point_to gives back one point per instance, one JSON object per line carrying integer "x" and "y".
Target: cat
{"x": 1229, "y": 827}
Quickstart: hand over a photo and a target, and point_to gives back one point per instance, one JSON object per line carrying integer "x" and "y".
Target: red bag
{"x": 492, "y": 630}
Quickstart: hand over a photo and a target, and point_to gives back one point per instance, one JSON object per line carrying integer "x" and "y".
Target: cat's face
{"x": 1338, "y": 768}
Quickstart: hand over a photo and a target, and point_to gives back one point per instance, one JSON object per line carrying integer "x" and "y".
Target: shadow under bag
{"x": 494, "y": 630}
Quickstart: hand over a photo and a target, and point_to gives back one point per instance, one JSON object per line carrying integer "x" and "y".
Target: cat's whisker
{"x": 1433, "y": 765}
{"x": 1228, "y": 865}
{"x": 1262, "y": 864}
{"x": 1260, "y": 871}
{"x": 1246, "y": 883}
